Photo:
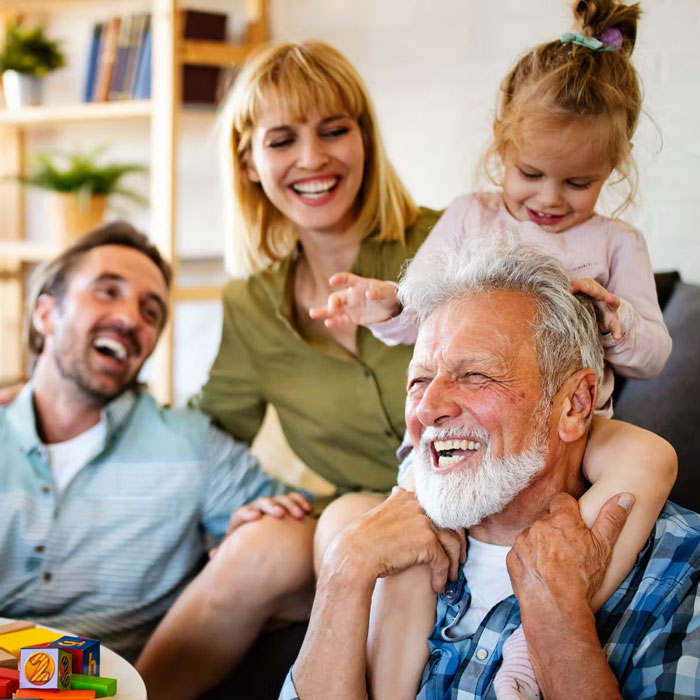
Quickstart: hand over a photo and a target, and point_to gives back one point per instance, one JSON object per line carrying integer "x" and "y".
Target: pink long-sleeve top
{"x": 608, "y": 250}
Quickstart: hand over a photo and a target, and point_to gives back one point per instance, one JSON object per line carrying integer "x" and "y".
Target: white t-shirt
{"x": 67, "y": 458}
{"x": 489, "y": 583}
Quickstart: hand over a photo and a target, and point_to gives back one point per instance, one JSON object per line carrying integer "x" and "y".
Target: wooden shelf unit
{"x": 170, "y": 52}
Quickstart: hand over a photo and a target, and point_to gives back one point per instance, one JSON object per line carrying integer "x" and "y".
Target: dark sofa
{"x": 668, "y": 405}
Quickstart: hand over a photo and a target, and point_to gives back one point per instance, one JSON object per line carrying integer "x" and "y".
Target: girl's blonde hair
{"x": 556, "y": 84}
{"x": 301, "y": 77}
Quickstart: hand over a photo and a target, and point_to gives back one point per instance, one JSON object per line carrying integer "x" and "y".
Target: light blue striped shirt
{"x": 107, "y": 556}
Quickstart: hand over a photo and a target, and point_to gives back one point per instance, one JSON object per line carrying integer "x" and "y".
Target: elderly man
{"x": 501, "y": 392}
{"x": 106, "y": 499}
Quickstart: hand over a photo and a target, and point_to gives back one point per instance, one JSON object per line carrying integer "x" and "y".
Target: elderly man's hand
{"x": 558, "y": 556}
{"x": 395, "y": 536}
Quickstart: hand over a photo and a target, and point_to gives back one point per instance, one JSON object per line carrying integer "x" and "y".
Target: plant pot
{"x": 21, "y": 90}
{"x": 73, "y": 214}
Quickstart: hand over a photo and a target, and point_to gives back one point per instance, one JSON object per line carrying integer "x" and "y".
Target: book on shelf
{"x": 119, "y": 58}
{"x": 106, "y": 60}
{"x": 93, "y": 55}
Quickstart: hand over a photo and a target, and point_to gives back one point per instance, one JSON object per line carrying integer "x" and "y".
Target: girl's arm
{"x": 645, "y": 344}
{"x": 621, "y": 457}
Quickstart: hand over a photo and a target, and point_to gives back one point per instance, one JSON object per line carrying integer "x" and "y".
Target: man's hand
{"x": 559, "y": 556}
{"x": 363, "y": 301}
{"x": 294, "y": 504}
{"x": 556, "y": 566}
{"x": 606, "y": 304}
{"x": 395, "y": 536}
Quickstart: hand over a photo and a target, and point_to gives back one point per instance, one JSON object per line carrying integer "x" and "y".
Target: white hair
{"x": 565, "y": 330}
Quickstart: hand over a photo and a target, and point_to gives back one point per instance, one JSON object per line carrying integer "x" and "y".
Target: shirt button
{"x": 481, "y": 654}
{"x": 45, "y": 489}
{"x": 39, "y": 548}
{"x": 47, "y": 576}
{"x": 450, "y": 590}
{"x": 388, "y": 433}
{"x": 368, "y": 374}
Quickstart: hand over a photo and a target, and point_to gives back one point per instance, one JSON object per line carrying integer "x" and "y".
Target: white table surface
{"x": 130, "y": 685}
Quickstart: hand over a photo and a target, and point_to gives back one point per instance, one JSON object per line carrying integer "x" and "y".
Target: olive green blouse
{"x": 343, "y": 415}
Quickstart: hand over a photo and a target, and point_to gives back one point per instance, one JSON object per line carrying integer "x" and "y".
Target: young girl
{"x": 568, "y": 111}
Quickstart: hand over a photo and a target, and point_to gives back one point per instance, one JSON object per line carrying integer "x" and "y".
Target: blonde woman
{"x": 313, "y": 195}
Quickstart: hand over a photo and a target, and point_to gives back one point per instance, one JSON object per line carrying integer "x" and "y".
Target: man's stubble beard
{"x": 465, "y": 497}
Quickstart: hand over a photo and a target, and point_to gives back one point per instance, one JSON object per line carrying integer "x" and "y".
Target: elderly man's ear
{"x": 579, "y": 395}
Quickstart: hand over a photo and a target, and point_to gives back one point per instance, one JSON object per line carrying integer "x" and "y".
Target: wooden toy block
{"x": 27, "y": 693}
{"x": 7, "y": 660}
{"x": 9, "y": 673}
{"x": 103, "y": 687}
{"x": 16, "y": 626}
{"x": 8, "y": 686}
{"x": 44, "y": 668}
{"x": 85, "y": 653}
{"x": 14, "y": 641}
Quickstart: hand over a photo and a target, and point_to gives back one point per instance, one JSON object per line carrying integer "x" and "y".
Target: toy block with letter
{"x": 44, "y": 668}
{"x": 85, "y": 653}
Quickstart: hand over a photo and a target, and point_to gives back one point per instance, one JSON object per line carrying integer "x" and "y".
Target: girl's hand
{"x": 606, "y": 304}
{"x": 294, "y": 504}
{"x": 363, "y": 301}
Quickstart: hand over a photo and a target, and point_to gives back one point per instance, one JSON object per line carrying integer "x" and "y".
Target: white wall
{"x": 433, "y": 68}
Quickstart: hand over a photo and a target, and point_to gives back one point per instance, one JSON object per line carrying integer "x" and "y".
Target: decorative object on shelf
{"x": 80, "y": 187}
{"x": 26, "y": 56}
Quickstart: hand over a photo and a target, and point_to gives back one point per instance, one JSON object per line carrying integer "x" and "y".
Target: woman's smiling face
{"x": 311, "y": 171}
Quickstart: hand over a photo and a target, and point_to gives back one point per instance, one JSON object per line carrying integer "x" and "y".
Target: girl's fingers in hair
{"x": 613, "y": 301}
{"x": 588, "y": 286}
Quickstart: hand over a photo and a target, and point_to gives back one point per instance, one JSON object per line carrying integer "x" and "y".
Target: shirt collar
{"x": 22, "y": 419}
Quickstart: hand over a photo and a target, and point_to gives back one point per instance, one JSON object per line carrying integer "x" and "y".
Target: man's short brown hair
{"x": 52, "y": 277}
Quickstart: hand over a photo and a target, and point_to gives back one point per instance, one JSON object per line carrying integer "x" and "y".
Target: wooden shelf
{"x": 26, "y": 251}
{"x": 69, "y": 114}
{"x": 210, "y": 292}
{"x": 213, "y": 53}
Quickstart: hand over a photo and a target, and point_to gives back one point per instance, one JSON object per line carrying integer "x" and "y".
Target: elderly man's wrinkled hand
{"x": 395, "y": 536}
{"x": 559, "y": 558}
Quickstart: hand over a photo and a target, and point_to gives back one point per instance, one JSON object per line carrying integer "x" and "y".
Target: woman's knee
{"x": 270, "y": 557}
{"x": 337, "y": 515}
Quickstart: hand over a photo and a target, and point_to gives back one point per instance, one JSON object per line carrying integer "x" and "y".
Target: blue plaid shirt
{"x": 649, "y": 628}
{"x": 107, "y": 557}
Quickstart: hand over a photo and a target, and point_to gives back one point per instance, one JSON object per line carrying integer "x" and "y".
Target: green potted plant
{"x": 26, "y": 56}
{"x": 79, "y": 187}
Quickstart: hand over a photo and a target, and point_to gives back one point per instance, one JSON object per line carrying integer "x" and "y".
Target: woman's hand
{"x": 363, "y": 301}
{"x": 606, "y": 303}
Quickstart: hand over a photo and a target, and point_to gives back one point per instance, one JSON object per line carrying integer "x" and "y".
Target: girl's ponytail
{"x": 597, "y": 16}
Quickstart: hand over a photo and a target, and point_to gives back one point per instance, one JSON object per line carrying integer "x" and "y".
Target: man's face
{"x": 475, "y": 409}
{"x": 108, "y": 321}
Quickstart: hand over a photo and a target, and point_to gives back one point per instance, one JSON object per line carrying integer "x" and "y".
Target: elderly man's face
{"x": 474, "y": 406}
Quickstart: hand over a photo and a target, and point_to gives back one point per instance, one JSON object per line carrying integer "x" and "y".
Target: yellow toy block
{"x": 14, "y": 641}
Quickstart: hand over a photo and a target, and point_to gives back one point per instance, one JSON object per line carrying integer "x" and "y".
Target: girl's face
{"x": 311, "y": 171}
{"x": 555, "y": 178}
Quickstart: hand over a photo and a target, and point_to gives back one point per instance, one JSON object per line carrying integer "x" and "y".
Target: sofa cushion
{"x": 669, "y": 404}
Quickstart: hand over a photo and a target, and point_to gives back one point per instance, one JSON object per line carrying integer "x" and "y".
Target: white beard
{"x": 462, "y": 498}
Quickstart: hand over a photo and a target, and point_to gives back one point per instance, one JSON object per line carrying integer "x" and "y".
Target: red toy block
{"x": 57, "y": 694}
